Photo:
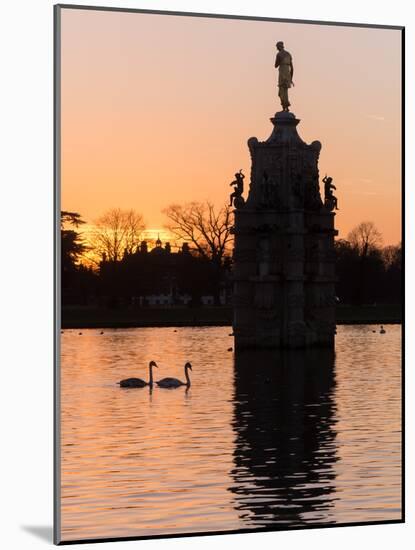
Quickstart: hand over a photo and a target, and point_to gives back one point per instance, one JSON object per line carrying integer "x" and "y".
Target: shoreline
{"x": 88, "y": 317}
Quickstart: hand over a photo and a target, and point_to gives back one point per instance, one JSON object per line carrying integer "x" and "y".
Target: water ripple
{"x": 260, "y": 439}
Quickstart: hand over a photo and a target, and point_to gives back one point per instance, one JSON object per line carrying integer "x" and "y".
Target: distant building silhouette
{"x": 159, "y": 277}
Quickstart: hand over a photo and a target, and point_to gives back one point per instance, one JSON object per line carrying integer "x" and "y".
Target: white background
{"x": 26, "y": 252}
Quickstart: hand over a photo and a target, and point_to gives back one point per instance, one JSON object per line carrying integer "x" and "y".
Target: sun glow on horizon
{"x": 141, "y": 133}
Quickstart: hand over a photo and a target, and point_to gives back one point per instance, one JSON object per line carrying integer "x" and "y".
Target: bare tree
{"x": 116, "y": 232}
{"x": 207, "y": 229}
{"x": 365, "y": 238}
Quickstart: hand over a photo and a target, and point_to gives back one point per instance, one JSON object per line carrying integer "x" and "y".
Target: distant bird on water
{"x": 175, "y": 382}
{"x": 138, "y": 382}
{"x": 382, "y": 330}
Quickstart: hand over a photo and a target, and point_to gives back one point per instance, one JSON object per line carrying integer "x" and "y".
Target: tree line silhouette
{"x": 112, "y": 265}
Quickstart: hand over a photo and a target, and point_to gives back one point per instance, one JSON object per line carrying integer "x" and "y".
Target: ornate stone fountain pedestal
{"x": 284, "y": 261}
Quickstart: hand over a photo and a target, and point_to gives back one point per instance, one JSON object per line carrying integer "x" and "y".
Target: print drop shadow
{"x": 43, "y": 532}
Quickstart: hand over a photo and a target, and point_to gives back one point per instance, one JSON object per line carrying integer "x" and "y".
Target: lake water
{"x": 259, "y": 440}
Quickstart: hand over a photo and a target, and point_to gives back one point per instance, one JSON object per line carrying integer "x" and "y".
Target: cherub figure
{"x": 238, "y": 184}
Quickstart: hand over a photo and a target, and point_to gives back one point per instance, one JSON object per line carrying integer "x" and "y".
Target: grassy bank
{"x": 381, "y": 314}
{"x": 90, "y": 317}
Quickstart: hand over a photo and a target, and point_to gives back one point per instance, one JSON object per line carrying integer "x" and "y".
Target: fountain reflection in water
{"x": 284, "y": 422}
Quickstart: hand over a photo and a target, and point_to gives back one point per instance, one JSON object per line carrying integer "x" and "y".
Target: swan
{"x": 137, "y": 382}
{"x": 175, "y": 382}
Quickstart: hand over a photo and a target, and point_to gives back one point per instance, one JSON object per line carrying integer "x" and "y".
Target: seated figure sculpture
{"x": 330, "y": 200}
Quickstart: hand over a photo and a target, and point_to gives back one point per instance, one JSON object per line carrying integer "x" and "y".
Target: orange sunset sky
{"x": 158, "y": 110}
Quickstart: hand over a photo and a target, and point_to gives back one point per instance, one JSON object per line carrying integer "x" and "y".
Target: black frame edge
{"x": 227, "y": 16}
{"x": 403, "y": 218}
{"x": 283, "y": 529}
{"x": 56, "y": 273}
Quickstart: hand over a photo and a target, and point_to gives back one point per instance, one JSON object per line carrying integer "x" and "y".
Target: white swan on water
{"x": 138, "y": 382}
{"x": 175, "y": 382}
